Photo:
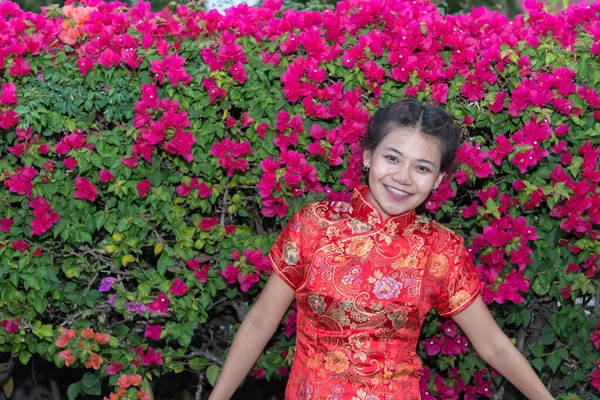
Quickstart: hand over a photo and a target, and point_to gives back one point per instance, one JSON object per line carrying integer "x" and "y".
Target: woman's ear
{"x": 366, "y": 157}
{"x": 439, "y": 180}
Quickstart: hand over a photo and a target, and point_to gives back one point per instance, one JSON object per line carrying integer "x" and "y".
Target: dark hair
{"x": 428, "y": 119}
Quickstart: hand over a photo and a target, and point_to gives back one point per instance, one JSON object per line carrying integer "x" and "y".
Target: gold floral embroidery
{"x": 359, "y": 246}
{"x": 360, "y": 341}
{"x": 459, "y": 299}
{"x": 408, "y": 262}
{"x": 337, "y": 362}
{"x": 438, "y": 265}
{"x": 332, "y": 232}
{"x": 357, "y": 226}
{"x": 362, "y": 395}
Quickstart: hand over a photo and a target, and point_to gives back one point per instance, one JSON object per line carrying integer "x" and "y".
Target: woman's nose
{"x": 402, "y": 175}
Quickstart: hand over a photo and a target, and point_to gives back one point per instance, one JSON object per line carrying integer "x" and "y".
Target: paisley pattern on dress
{"x": 363, "y": 288}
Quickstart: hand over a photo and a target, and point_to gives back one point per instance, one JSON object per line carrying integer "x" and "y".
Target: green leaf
{"x": 538, "y": 364}
{"x": 537, "y": 350}
{"x": 562, "y": 353}
{"x": 212, "y": 374}
{"x": 89, "y": 380}
{"x": 24, "y": 357}
{"x": 553, "y": 362}
{"x": 73, "y": 391}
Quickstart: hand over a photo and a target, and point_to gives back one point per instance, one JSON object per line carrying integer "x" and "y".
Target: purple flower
{"x": 106, "y": 284}
{"x": 111, "y": 300}
{"x": 135, "y": 307}
{"x": 387, "y": 288}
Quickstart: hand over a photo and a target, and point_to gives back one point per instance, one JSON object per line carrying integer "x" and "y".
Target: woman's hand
{"x": 254, "y": 333}
{"x": 498, "y": 351}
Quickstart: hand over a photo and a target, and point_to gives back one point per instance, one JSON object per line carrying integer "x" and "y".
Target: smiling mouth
{"x": 397, "y": 191}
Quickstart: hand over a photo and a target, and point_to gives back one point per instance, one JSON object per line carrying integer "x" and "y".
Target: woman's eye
{"x": 423, "y": 169}
{"x": 391, "y": 158}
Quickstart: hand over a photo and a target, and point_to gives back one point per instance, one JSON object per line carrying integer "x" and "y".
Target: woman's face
{"x": 404, "y": 168}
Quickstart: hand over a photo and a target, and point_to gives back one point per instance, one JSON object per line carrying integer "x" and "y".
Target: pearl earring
{"x": 366, "y": 167}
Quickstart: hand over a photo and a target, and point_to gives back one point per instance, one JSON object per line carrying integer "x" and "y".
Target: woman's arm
{"x": 254, "y": 333}
{"x": 497, "y": 350}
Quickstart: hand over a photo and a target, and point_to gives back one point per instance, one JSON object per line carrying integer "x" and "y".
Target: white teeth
{"x": 396, "y": 191}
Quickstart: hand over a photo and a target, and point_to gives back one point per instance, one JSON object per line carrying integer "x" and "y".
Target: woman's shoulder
{"x": 439, "y": 232}
{"x": 325, "y": 211}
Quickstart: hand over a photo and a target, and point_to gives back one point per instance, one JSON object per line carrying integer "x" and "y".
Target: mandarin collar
{"x": 365, "y": 211}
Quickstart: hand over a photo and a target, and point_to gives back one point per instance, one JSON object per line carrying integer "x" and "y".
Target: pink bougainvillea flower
{"x": 247, "y": 281}
{"x": 246, "y": 120}
{"x": 8, "y": 119}
{"x": 70, "y": 163}
{"x": 143, "y": 187}
{"x": 566, "y": 292}
{"x": 230, "y": 273}
{"x": 214, "y": 91}
{"x": 258, "y": 373}
{"x": 193, "y": 264}
{"x": 65, "y": 336}
{"x": 67, "y": 356}
{"x": 238, "y": 73}
{"x": 206, "y": 224}
{"x": 75, "y": 140}
{"x": 126, "y": 381}
{"x": 498, "y": 104}
{"x": 178, "y": 287}
{"x": 141, "y": 395}
{"x": 203, "y": 190}
{"x": 10, "y": 326}
{"x": 20, "y": 245}
{"x": 150, "y": 356}
{"x": 5, "y": 224}
{"x": 113, "y": 368}
{"x": 106, "y": 175}
{"x": 161, "y": 304}
{"x": 256, "y": 258}
{"x": 43, "y": 214}
{"x": 183, "y": 190}
{"x": 94, "y": 361}
{"x": 202, "y": 273}
{"x": 20, "y": 181}
{"x": 24, "y": 134}
{"x": 20, "y": 67}
{"x": 8, "y": 94}
{"x": 153, "y": 331}
{"x": 101, "y": 338}
{"x": 43, "y": 149}
{"x": 130, "y": 161}
{"x": 85, "y": 65}
{"x": 84, "y": 189}
{"x": 289, "y": 324}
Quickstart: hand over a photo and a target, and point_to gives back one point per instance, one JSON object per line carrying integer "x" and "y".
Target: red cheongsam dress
{"x": 363, "y": 288}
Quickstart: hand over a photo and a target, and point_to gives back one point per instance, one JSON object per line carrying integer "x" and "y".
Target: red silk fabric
{"x": 363, "y": 288}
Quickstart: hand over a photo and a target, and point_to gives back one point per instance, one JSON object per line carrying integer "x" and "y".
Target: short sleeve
{"x": 290, "y": 255}
{"x": 461, "y": 285}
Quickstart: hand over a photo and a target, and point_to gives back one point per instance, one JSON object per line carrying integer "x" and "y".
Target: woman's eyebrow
{"x": 420, "y": 159}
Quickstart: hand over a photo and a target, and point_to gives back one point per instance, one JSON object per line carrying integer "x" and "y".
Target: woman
{"x": 365, "y": 274}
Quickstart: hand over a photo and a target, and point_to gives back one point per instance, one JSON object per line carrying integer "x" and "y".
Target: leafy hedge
{"x": 149, "y": 160}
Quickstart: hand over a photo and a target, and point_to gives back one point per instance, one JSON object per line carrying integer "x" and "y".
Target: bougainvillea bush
{"x": 148, "y": 161}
